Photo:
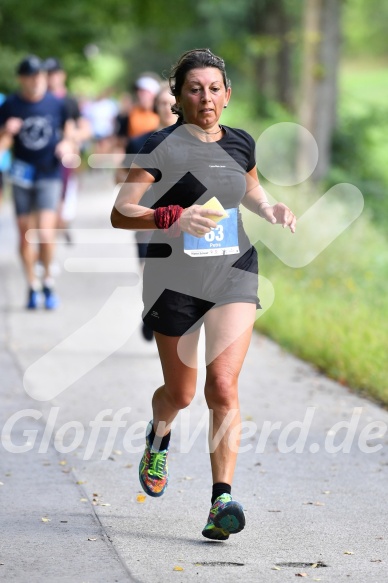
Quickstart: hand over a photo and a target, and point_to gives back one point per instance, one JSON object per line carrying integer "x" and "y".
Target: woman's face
{"x": 163, "y": 104}
{"x": 203, "y": 97}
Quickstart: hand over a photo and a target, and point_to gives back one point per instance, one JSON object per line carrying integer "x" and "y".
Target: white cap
{"x": 148, "y": 84}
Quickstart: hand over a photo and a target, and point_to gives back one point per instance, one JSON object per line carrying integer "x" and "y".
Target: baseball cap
{"x": 148, "y": 84}
{"x": 30, "y": 65}
{"x": 51, "y": 65}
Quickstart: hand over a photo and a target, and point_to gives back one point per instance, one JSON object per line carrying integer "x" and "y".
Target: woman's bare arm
{"x": 127, "y": 213}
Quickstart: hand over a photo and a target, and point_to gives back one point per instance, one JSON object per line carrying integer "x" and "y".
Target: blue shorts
{"x": 45, "y": 194}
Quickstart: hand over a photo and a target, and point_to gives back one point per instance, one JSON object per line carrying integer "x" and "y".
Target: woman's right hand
{"x": 195, "y": 220}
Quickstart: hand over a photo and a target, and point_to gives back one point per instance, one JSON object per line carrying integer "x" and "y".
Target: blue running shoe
{"x": 226, "y": 517}
{"x": 33, "y": 299}
{"x": 51, "y": 300}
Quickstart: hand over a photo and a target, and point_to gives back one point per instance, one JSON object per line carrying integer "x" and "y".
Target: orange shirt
{"x": 141, "y": 121}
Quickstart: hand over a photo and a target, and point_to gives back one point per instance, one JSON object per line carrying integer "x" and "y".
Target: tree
{"x": 46, "y": 28}
{"x": 273, "y": 28}
{"x": 319, "y": 78}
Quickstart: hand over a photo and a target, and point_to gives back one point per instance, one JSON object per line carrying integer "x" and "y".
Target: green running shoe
{"x": 153, "y": 470}
{"x": 226, "y": 517}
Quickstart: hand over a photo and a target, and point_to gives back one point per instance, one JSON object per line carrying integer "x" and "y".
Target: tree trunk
{"x": 319, "y": 79}
{"x": 284, "y": 88}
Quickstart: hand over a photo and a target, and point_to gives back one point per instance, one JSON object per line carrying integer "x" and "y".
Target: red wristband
{"x": 167, "y": 218}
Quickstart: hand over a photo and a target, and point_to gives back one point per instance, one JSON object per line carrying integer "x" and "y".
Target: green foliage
{"x": 61, "y": 29}
{"x": 360, "y": 147}
{"x": 365, "y": 28}
{"x": 8, "y": 62}
{"x": 353, "y": 161}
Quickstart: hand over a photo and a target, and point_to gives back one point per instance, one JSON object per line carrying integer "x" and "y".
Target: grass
{"x": 363, "y": 84}
{"x": 334, "y": 311}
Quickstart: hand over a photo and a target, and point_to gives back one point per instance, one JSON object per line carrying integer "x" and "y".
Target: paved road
{"x": 70, "y": 507}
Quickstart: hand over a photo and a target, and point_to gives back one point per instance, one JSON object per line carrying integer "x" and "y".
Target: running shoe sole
{"x": 229, "y": 520}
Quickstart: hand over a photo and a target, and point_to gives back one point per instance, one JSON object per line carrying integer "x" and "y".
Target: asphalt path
{"x": 76, "y": 386}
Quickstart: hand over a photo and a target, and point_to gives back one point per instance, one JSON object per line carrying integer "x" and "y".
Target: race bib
{"x": 222, "y": 240}
{"x": 22, "y": 174}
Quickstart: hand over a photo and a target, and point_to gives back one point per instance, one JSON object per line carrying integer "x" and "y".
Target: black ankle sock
{"x": 159, "y": 443}
{"x": 220, "y": 488}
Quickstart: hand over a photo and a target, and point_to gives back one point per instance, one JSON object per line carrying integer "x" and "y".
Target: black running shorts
{"x": 176, "y": 297}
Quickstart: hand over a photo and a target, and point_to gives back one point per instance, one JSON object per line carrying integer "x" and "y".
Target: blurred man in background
{"x": 36, "y": 121}
{"x": 5, "y": 156}
{"x": 81, "y": 131}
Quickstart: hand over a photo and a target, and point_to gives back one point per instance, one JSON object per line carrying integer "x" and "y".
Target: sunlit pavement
{"x": 76, "y": 386}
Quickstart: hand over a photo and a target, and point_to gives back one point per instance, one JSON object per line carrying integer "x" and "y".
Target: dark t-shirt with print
{"x": 43, "y": 122}
{"x": 188, "y": 171}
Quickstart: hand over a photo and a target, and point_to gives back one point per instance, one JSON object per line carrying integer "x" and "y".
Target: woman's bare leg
{"x": 228, "y": 334}
{"x": 180, "y": 380}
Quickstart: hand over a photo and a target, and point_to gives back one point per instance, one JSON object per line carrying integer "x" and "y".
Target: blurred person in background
{"x": 36, "y": 121}
{"x": 5, "y": 155}
{"x": 141, "y": 118}
{"x": 101, "y": 114}
{"x": 164, "y": 101}
{"x": 81, "y": 131}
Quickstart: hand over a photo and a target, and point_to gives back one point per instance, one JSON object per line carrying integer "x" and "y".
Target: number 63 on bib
{"x": 222, "y": 240}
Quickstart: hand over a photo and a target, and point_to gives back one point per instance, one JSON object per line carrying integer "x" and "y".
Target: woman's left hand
{"x": 279, "y": 214}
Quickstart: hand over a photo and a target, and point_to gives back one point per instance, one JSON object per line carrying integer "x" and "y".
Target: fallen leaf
{"x": 276, "y": 568}
{"x": 376, "y": 561}
{"x": 129, "y": 466}
{"x": 104, "y": 504}
{"x": 326, "y": 492}
{"x": 141, "y": 498}
{"x": 83, "y": 499}
{"x": 348, "y": 553}
{"x": 62, "y": 462}
{"x": 117, "y": 452}
{"x": 178, "y": 568}
{"x": 314, "y": 565}
{"x": 91, "y": 538}
{"x": 301, "y": 575}
{"x": 44, "y": 519}
{"x": 79, "y": 482}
